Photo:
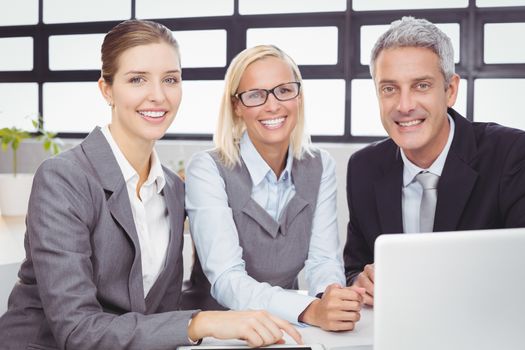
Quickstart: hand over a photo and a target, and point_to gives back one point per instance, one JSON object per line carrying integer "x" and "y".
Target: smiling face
{"x": 271, "y": 124}
{"x": 413, "y": 99}
{"x": 145, "y": 93}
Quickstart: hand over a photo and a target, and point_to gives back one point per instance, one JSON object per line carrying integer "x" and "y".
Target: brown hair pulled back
{"x": 129, "y": 34}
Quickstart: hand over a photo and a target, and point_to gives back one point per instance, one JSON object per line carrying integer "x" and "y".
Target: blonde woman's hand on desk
{"x": 257, "y": 328}
{"x": 366, "y": 280}
{"x": 337, "y": 310}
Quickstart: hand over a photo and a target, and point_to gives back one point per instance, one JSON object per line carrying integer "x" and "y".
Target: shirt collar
{"x": 410, "y": 170}
{"x": 128, "y": 172}
{"x": 257, "y": 166}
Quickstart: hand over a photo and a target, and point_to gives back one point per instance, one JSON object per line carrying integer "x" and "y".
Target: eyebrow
{"x": 422, "y": 78}
{"x": 144, "y": 72}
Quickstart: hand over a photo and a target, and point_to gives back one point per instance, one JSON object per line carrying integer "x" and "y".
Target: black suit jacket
{"x": 482, "y": 186}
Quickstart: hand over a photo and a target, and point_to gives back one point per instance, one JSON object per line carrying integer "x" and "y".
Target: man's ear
{"x": 106, "y": 90}
{"x": 452, "y": 90}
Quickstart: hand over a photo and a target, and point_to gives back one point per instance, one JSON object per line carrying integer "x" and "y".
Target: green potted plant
{"x": 15, "y": 187}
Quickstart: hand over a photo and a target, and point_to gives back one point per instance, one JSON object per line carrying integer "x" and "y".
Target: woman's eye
{"x": 136, "y": 80}
{"x": 171, "y": 80}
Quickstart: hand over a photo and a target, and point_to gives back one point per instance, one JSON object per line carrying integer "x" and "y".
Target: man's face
{"x": 413, "y": 100}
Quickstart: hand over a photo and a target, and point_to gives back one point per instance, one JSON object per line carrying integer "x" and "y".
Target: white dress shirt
{"x": 412, "y": 190}
{"x": 217, "y": 242}
{"x": 150, "y": 213}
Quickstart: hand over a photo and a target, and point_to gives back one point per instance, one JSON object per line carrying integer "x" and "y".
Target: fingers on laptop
{"x": 261, "y": 328}
{"x": 257, "y": 328}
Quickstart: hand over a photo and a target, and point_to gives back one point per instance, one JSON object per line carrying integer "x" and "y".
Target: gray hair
{"x": 416, "y": 32}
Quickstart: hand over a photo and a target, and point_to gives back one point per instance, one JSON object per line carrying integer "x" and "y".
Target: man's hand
{"x": 366, "y": 280}
{"x": 337, "y": 310}
{"x": 257, "y": 328}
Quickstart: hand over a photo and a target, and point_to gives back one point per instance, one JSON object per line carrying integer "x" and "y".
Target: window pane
{"x": 61, "y": 107}
{"x": 247, "y": 7}
{"x": 179, "y": 9}
{"x": 194, "y": 116}
{"x": 300, "y": 50}
{"x": 202, "y": 48}
{"x": 69, "y": 11}
{"x": 71, "y": 52}
{"x": 366, "y": 120}
{"x": 20, "y": 12}
{"x": 370, "y": 34}
{"x": 494, "y": 3}
{"x": 498, "y": 50}
{"x": 20, "y": 55}
{"x": 18, "y": 105}
{"x": 367, "y": 5}
{"x": 365, "y": 117}
{"x": 324, "y": 106}
{"x": 499, "y": 100}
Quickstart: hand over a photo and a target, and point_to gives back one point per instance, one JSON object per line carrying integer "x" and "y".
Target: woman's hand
{"x": 257, "y": 328}
{"x": 337, "y": 310}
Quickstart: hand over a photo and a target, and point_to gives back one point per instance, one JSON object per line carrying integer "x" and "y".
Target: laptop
{"x": 450, "y": 290}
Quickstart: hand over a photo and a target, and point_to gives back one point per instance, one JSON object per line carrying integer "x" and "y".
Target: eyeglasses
{"x": 258, "y": 97}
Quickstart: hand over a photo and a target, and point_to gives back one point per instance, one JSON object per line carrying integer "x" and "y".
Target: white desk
{"x": 361, "y": 335}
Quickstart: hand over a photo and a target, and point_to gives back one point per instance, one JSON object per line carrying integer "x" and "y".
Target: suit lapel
{"x": 388, "y": 197}
{"x": 99, "y": 152}
{"x": 458, "y": 178}
{"x": 175, "y": 205}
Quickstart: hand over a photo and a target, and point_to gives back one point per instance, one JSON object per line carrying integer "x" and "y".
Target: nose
{"x": 272, "y": 103}
{"x": 406, "y": 103}
{"x": 156, "y": 93}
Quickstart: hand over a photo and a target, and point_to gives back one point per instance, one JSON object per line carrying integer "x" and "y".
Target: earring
{"x": 110, "y": 104}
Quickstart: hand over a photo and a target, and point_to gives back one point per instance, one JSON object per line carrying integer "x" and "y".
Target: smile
{"x": 410, "y": 123}
{"x": 152, "y": 114}
{"x": 273, "y": 123}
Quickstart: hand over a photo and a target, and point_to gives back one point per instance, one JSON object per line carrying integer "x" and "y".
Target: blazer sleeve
{"x": 356, "y": 253}
{"x": 512, "y": 189}
{"x": 62, "y": 213}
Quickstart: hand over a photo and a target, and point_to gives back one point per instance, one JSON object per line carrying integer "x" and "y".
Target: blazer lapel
{"x": 388, "y": 197}
{"x": 458, "y": 178}
{"x": 99, "y": 152}
{"x": 175, "y": 207}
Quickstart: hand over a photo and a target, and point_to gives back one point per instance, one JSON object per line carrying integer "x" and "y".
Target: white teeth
{"x": 272, "y": 122}
{"x": 411, "y": 123}
{"x": 152, "y": 114}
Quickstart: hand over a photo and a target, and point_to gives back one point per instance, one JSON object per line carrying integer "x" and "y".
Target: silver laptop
{"x": 451, "y": 290}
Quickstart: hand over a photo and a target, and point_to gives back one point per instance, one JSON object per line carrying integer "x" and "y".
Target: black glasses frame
{"x": 268, "y": 92}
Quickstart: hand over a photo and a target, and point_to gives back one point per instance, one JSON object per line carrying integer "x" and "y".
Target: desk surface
{"x": 361, "y": 335}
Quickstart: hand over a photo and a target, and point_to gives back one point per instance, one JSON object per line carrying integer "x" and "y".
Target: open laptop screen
{"x": 450, "y": 290}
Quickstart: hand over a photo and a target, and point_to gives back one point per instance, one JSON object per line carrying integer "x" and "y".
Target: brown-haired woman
{"x": 103, "y": 267}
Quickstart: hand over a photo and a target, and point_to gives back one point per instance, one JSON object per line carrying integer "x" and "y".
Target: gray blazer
{"x": 80, "y": 286}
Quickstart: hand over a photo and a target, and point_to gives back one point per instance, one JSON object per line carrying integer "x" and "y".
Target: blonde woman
{"x": 262, "y": 204}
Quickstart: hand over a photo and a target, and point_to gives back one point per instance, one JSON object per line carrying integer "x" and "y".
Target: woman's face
{"x": 272, "y": 123}
{"x": 146, "y": 92}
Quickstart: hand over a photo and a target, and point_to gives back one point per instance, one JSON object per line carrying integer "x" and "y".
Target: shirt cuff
{"x": 289, "y": 304}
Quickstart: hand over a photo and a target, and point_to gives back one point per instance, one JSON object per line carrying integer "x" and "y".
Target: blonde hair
{"x": 230, "y": 127}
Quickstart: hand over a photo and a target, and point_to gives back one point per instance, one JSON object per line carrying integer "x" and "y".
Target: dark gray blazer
{"x": 482, "y": 187}
{"x": 80, "y": 285}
